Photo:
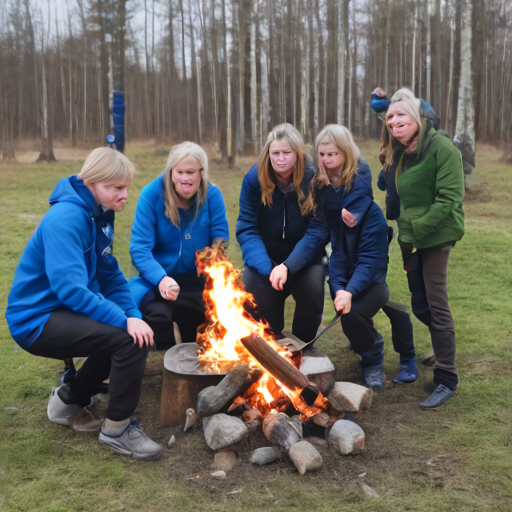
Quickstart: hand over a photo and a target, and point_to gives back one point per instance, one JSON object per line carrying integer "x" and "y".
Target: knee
{"x": 157, "y": 311}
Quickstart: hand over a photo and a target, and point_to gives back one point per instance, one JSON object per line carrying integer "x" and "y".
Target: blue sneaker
{"x": 439, "y": 397}
{"x": 408, "y": 373}
{"x": 373, "y": 377}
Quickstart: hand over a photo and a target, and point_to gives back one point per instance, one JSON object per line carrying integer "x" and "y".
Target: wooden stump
{"x": 181, "y": 383}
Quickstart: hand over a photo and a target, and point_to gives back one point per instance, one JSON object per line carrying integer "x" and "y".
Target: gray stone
{"x": 281, "y": 430}
{"x": 305, "y": 457}
{"x": 319, "y": 370}
{"x": 318, "y": 442}
{"x": 262, "y": 456}
{"x": 347, "y": 396}
{"x": 346, "y": 437}
{"x": 225, "y": 461}
{"x": 221, "y": 431}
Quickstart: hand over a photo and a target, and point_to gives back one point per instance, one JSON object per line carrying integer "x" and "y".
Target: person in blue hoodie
{"x": 342, "y": 192}
{"x": 177, "y": 214}
{"x": 273, "y": 218}
{"x": 69, "y": 298}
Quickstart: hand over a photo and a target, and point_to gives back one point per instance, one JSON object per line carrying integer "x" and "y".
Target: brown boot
{"x": 429, "y": 361}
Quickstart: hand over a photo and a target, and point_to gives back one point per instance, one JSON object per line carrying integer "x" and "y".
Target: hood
{"x": 73, "y": 190}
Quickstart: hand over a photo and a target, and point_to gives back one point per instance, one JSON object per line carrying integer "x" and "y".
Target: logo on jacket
{"x": 188, "y": 236}
{"x": 108, "y": 231}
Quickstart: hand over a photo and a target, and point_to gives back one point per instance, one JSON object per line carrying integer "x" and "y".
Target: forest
{"x": 226, "y": 71}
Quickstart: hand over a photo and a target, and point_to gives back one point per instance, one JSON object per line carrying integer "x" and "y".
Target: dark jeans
{"x": 187, "y": 311}
{"x": 358, "y": 326}
{"x": 401, "y": 333}
{"x": 306, "y": 287}
{"x": 110, "y": 351}
{"x": 426, "y": 274}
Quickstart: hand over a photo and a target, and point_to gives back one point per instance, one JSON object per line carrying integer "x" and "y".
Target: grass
{"x": 456, "y": 458}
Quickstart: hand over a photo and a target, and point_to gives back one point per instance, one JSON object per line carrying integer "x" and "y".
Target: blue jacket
{"x": 268, "y": 234}
{"x": 158, "y": 248}
{"x": 327, "y": 223}
{"x": 68, "y": 263}
{"x": 360, "y": 258}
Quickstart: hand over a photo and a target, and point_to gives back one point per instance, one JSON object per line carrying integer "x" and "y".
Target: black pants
{"x": 427, "y": 275}
{"x": 187, "y": 311}
{"x": 110, "y": 351}
{"x": 401, "y": 333}
{"x": 358, "y": 326}
{"x": 306, "y": 287}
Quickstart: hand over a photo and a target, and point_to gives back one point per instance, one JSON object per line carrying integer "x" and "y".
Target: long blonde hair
{"x": 177, "y": 154}
{"x": 266, "y": 174}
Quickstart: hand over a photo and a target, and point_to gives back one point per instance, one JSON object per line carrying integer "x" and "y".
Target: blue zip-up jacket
{"x": 158, "y": 248}
{"x": 360, "y": 258}
{"x": 268, "y": 234}
{"x": 68, "y": 263}
{"x": 327, "y": 223}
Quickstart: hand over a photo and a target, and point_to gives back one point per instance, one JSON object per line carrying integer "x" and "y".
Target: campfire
{"x": 235, "y": 332}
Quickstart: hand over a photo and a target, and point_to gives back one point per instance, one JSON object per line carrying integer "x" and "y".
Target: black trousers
{"x": 187, "y": 311}
{"x": 401, "y": 333}
{"x": 110, "y": 351}
{"x": 306, "y": 287}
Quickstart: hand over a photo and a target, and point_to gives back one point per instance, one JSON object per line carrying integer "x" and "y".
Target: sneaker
{"x": 58, "y": 411}
{"x": 439, "y": 396}
{"x": 373, "y": 377}
{"x": 132, "y": 442}
{"x": 408, "y": 373}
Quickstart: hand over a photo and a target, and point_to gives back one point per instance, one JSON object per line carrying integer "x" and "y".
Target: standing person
{"x": 343, "y": 193}
{"x": 430, "y": 185}
{"x": 177, "y": 214}
{"x": 70, "y": 299}
{"x": 273, "y": 218}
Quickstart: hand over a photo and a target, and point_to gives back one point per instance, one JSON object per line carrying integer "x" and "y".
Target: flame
{"x": 231, "y": 314}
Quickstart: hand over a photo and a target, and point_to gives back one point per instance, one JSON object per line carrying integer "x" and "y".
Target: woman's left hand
{"x": 279, "y": 276}
{"x": 139, "y": 331}
{"x": 349, "y": 219}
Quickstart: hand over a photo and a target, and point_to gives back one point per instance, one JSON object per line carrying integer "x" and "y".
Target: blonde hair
{"x": 177, "y": 154}
{"x": 412, "y": 106}
{"x": 266, "y": 173}
{"x": 106, "y": 164}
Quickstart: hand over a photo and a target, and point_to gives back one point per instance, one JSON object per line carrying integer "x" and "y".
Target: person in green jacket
{"x": 430, "y": 184}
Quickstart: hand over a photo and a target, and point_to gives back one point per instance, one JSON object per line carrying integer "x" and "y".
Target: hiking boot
{"x": 408, "y": 373}
{"x": 373, "y": 377}
{"x": 59, "y": 411}
{"x": 132, "y": 442}
{"x": 439, "y": 396}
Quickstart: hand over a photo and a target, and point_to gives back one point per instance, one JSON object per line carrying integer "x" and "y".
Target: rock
{"x": 298, "y": 423}
{"x": 219, "y": 474}
{"x": 347, "y": 396}
{"x": 262, "y": 456}
{"x": 222, "y": 430}
{"x": 346, "y": 437}
{"x": 369, "y": 491}
{"x": 225, "y": 461}
{"x": 319, "y": 370}
{"x": 281, "y": 430}
{"x": 171, "y": 441}
{"x": 318, "y": 442}
{"x": 305, "y": 457}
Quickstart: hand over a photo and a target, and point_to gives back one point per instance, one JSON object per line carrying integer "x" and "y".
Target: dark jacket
{"x": 68, "y": 263}
{"x": 387, "y": 183}
{"x": 268, "y": 234}
{"x": 360, "y": 256}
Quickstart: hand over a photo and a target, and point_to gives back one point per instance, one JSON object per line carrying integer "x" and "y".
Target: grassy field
{"x": 456, "y": 458}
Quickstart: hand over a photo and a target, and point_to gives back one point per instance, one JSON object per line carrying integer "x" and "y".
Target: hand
{"x": 349, "y": 219}
{"x": 279, "y": 276}
{"x": 379, "y": 91}
{"x": 343, "y": 302}
{"x": 169, "y": 288}
{"x": 139, "y": 331}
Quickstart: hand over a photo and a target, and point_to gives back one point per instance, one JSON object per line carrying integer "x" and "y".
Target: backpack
{"x": 429, "y": 113}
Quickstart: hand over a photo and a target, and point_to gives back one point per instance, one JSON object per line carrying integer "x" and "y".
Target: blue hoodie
{"x": 158, "y": 248}
{"x": 68, "y": 263}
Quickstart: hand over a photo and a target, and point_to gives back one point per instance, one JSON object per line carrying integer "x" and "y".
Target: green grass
{"x": 456, "y": 458}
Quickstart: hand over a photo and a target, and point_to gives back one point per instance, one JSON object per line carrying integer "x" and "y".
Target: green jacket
{"x": 430, "y": 183}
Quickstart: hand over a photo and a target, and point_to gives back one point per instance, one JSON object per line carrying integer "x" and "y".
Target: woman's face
{"x": 112, "y": 195}
{"x": 186, "y": 178}
{"x": 282, "y": 158}
{"x": 401, "y": 125}
{"x": 332, "y": 157}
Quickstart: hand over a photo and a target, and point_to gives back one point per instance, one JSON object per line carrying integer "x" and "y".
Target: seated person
{"x": 177, "y": 214}
{"x": 70, "y": 299}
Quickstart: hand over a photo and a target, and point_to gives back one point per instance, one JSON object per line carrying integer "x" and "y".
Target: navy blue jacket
{"x": 360, "y": 256}
{"x": 268, "y": 234}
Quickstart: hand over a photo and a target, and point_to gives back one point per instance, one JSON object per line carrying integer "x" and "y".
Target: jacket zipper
{"x": 284, "y": 216}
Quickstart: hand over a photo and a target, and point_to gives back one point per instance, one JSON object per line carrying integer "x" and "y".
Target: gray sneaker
{"x": 132, "y": 442}
{"x": 373, "y": 377}
{"x": 59, "y": 412}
